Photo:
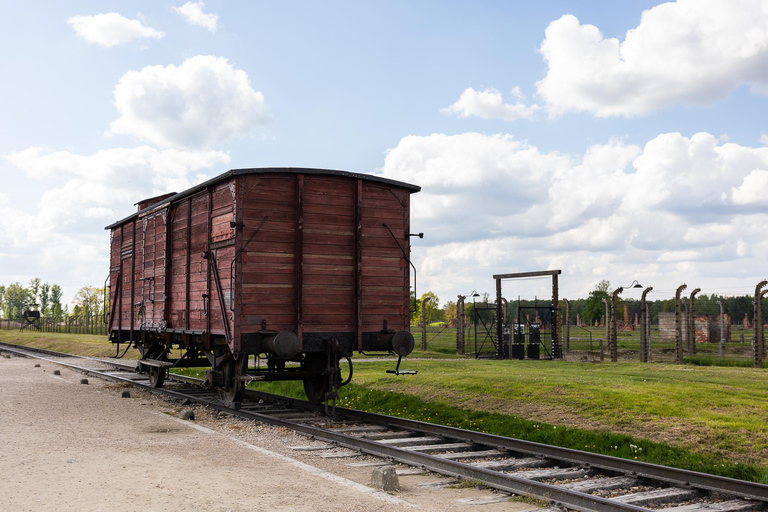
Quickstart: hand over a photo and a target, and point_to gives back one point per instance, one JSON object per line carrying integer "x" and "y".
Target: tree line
{"x": 46, "y": 298}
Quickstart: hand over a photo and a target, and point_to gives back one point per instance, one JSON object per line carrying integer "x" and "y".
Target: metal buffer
{"x": 678, "y": 326}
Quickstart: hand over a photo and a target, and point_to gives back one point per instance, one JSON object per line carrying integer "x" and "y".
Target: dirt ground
{"x": 66, "y": 446}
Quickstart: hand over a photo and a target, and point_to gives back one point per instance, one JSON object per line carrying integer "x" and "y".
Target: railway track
{"x": 566, "y": 478}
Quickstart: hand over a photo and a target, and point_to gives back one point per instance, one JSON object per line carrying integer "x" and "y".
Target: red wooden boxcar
{"x": 297, "y": 266}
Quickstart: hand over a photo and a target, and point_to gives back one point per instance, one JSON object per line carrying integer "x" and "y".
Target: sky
{"x": 615, "y": 141}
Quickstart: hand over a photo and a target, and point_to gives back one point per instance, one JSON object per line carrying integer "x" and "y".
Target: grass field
{"x": 706, "y": 418}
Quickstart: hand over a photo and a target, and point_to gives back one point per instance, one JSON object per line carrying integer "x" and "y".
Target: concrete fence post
{"x": 424, "y": 323}
{"x": 678, "y": 326}
{"x": 567, "y": 325}
{"x": 615, "y": 328}
{"x": 757, "y": 320}
{"x": 722, "y": 329}
{"x": 460, "y": 325}
{"x": 607, "y": 328}
{"x": 692, "y": 322}
{"x": 644, "y": 331}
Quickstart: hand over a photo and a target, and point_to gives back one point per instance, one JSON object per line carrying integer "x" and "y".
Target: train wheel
{"x": 234, "y": 388}
{"x": 156, "y": 376}
{"x": 156, "y": 373}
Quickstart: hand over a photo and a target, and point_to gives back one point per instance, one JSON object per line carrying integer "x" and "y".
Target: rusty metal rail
{"x": 277, "y": 410}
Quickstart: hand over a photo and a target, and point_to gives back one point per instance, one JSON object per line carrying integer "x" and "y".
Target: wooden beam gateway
{"x": 539, "y": 273}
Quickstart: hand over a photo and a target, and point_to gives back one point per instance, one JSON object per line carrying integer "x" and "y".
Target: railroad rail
{"x": 564, "y": 477}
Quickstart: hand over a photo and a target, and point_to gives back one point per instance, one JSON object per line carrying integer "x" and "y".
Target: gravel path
{"x": 66, "y": 446}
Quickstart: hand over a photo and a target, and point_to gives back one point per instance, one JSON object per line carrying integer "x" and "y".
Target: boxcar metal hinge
{"x": 405, "y": 255}
{"x": 237, "y": 255}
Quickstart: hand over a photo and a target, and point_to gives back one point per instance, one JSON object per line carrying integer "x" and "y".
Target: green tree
{"x": 431, "y": 306}
{"x": 90, "y": 300}
{"x": 450, "y": 312}
{"x": 16, "y": 298}
{"x": 56, "y": 294}
{"x": 594, "y": 307}
{"x": 45, "y": 298}
{"x": 603, "y": 286}
{"x": 2, "y": 300}
{"x": 415, "y": 309}
{"x": 34, "y": 289}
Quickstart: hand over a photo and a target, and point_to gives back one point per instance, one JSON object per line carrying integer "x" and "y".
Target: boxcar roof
{"x": 266, "y": 170}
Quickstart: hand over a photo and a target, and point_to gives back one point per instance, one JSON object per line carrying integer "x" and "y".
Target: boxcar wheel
{"x": 234, "y": 388}
{"x": 156, "y": 373}
{"x": 156, "y": 376}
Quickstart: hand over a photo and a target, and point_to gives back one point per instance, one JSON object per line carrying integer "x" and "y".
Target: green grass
{"x": 82, "y": 344}
{"x": 706, "y": 418}
{"x": 721, "y": 361}
{"x": 602, "y": 442}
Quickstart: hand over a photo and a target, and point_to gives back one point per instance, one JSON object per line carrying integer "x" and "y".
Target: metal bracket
{"x": 398, "y": 371}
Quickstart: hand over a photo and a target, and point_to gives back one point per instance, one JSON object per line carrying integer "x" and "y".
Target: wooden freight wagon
{"x": 265, "y": 274}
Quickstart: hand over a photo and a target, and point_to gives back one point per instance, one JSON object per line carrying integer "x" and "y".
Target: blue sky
{"x": 614, "y": 140}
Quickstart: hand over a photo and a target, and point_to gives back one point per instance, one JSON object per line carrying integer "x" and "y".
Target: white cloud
{"x": 492, "y": 204}
{"x": 489, "y": 104}
{"x": 689, "y": 51}
{"x": 753, "y": 190}
{"x": 202, "y": 102}
{"x": 85, "y": 187}
{"x": 111, "y": 29}
{"x": 192, "y": 12}
{"x": 60, "y": 236}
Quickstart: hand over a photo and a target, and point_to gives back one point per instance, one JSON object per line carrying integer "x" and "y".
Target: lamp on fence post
{"x": 614, "y": 334}
{"x": 607, "y": 328}
{"x": 424, "y": 322}
{"x": 645, "y": 332}
{"x": 692, "y": 322}
{"x": 678, "y": 326}
{"x": 567, "y": 325}
{"x": 758, "y": 353}
{"x": 722, "y": 330}
{"x": 474, "y": 317}
{"x": 614, "y": 351}
{"x": 460, "y": 325}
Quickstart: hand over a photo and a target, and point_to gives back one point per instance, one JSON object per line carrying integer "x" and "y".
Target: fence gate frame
{"x": 556, "y": 349}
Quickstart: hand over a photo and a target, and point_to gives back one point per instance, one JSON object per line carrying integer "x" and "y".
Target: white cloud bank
{"x": 679, "y": 208}
{"x": 689, "y": 51}
{"x": 198, "y": 104}
{"x": 489, "y": 104}
{"x": 192, "y": 12}
{"x": 111, "y": 29}
{"x": 62, "y": 235}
